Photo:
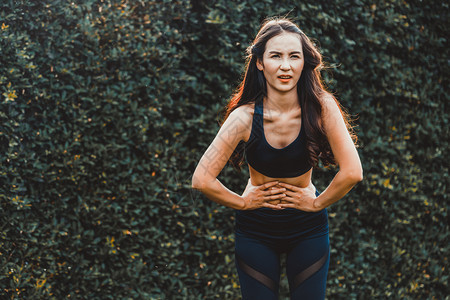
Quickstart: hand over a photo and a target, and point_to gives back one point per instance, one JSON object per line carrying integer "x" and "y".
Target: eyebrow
{"x": 293, "y": 52}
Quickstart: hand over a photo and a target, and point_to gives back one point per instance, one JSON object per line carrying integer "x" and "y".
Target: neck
{"x": 283, "y": 102}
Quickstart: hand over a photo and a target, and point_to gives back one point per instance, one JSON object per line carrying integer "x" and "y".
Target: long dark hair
{"x": 310, "y": 89}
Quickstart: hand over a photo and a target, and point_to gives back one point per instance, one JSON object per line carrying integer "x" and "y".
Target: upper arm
{"x": 341, "y": 143}
{"x": 233, "y": 130}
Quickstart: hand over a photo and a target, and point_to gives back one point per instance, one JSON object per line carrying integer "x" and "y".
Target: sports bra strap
{"x": 258, "y": 119}
{"x": 290, "y": 161}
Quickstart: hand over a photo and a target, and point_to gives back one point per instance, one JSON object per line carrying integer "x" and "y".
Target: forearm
{"x": 341, "y": 184}
{"x": 217, "y": 192}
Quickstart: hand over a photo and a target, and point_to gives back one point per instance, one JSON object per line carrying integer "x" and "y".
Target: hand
{"x": 299, "y": 198}
{"x": 261, "y": 195}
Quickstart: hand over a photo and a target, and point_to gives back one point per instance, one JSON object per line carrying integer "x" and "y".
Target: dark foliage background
{"x": 107, "y": 106}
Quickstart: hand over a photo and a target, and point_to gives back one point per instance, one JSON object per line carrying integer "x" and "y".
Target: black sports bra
{"x": 290, "y": 161}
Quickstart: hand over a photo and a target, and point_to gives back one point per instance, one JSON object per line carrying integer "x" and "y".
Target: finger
{"x": 277, "y": 207}
{"x": 289, "y": 199}
{"x": 288, "y": 186}
{"x": 274, "y": 191}
{"x": 274, "y": 202}
{"x": 268, "y": 185}
{"x": 290, "y": 193}
{"x": 274, "y": 197}
{"x": 287, "y": 205}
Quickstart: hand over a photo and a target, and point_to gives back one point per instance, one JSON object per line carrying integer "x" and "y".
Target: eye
{"x": 295, "y": 56}
{"x": 275, "y": 56}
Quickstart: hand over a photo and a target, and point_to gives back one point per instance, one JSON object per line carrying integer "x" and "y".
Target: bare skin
{"x": 280, "y": 130}
{"x": 303, "y": 181}
{"x": 282, "y": 65}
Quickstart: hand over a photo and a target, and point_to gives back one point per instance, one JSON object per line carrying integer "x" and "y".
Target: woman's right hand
{"x": 257, "y": 196}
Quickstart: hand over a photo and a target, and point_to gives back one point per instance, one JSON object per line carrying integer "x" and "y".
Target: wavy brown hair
{"x": 310, "y": 89}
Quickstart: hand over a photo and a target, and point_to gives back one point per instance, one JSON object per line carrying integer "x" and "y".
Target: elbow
{"x": 199, "y": 183}
{"x": 197, "y": 186}
{"x": 354, "y": 176}
{"x": 357, "y": 176}
{"x": 196, "y": 183}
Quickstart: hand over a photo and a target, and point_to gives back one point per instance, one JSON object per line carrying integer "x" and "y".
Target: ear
{"x": 259, "y": 64}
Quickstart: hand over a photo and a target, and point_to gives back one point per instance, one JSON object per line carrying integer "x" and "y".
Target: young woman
{"x": 287, "y": 121}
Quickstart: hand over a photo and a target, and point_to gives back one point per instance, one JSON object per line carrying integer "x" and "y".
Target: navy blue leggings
{"x": 258, "y": 266}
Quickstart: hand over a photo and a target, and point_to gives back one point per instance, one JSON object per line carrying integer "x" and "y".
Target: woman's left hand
{"x": 299, "y": 198}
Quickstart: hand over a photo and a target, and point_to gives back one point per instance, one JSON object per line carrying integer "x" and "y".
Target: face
{"x": 282, "y": 63}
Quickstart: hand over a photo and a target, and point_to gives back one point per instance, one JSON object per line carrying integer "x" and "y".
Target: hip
{"x": 278, "y": 225}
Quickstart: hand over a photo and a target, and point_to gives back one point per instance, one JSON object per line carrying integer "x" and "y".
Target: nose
{"x": 285, "y": 65}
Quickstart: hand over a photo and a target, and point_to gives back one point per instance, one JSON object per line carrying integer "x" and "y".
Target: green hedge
{"x": 107, "y": 106}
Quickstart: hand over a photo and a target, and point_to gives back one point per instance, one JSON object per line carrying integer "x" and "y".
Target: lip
{"x": 285, "y": 79}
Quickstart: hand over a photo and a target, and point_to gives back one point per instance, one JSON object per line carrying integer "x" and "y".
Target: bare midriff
{"x": 301, "y": 181}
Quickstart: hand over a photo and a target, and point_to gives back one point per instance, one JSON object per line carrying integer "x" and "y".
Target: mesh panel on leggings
{"x": 256, "y": 274}
{"x": 309, "y": 271}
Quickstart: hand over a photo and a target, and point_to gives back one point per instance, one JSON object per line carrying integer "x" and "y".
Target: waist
{"x": 258, "y": 178}
{"x": 286, "y": 223}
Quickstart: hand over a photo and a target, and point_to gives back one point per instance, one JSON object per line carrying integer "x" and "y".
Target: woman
{"x": 287, "y": 121}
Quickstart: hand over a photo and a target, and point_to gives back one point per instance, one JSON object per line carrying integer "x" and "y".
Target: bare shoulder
{"x": 329, "y": 104}
{"x": 243, "y": 114}
{"x": 246, "y": 109}
{"x": 240, "y": 120}
{"x": 333, "y": 118}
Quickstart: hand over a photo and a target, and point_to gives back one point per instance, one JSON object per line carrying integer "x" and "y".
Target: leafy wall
{"x": 107, "y": 106}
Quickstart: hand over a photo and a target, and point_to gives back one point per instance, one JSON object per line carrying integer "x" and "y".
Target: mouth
{"x": 284, "y": 78}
